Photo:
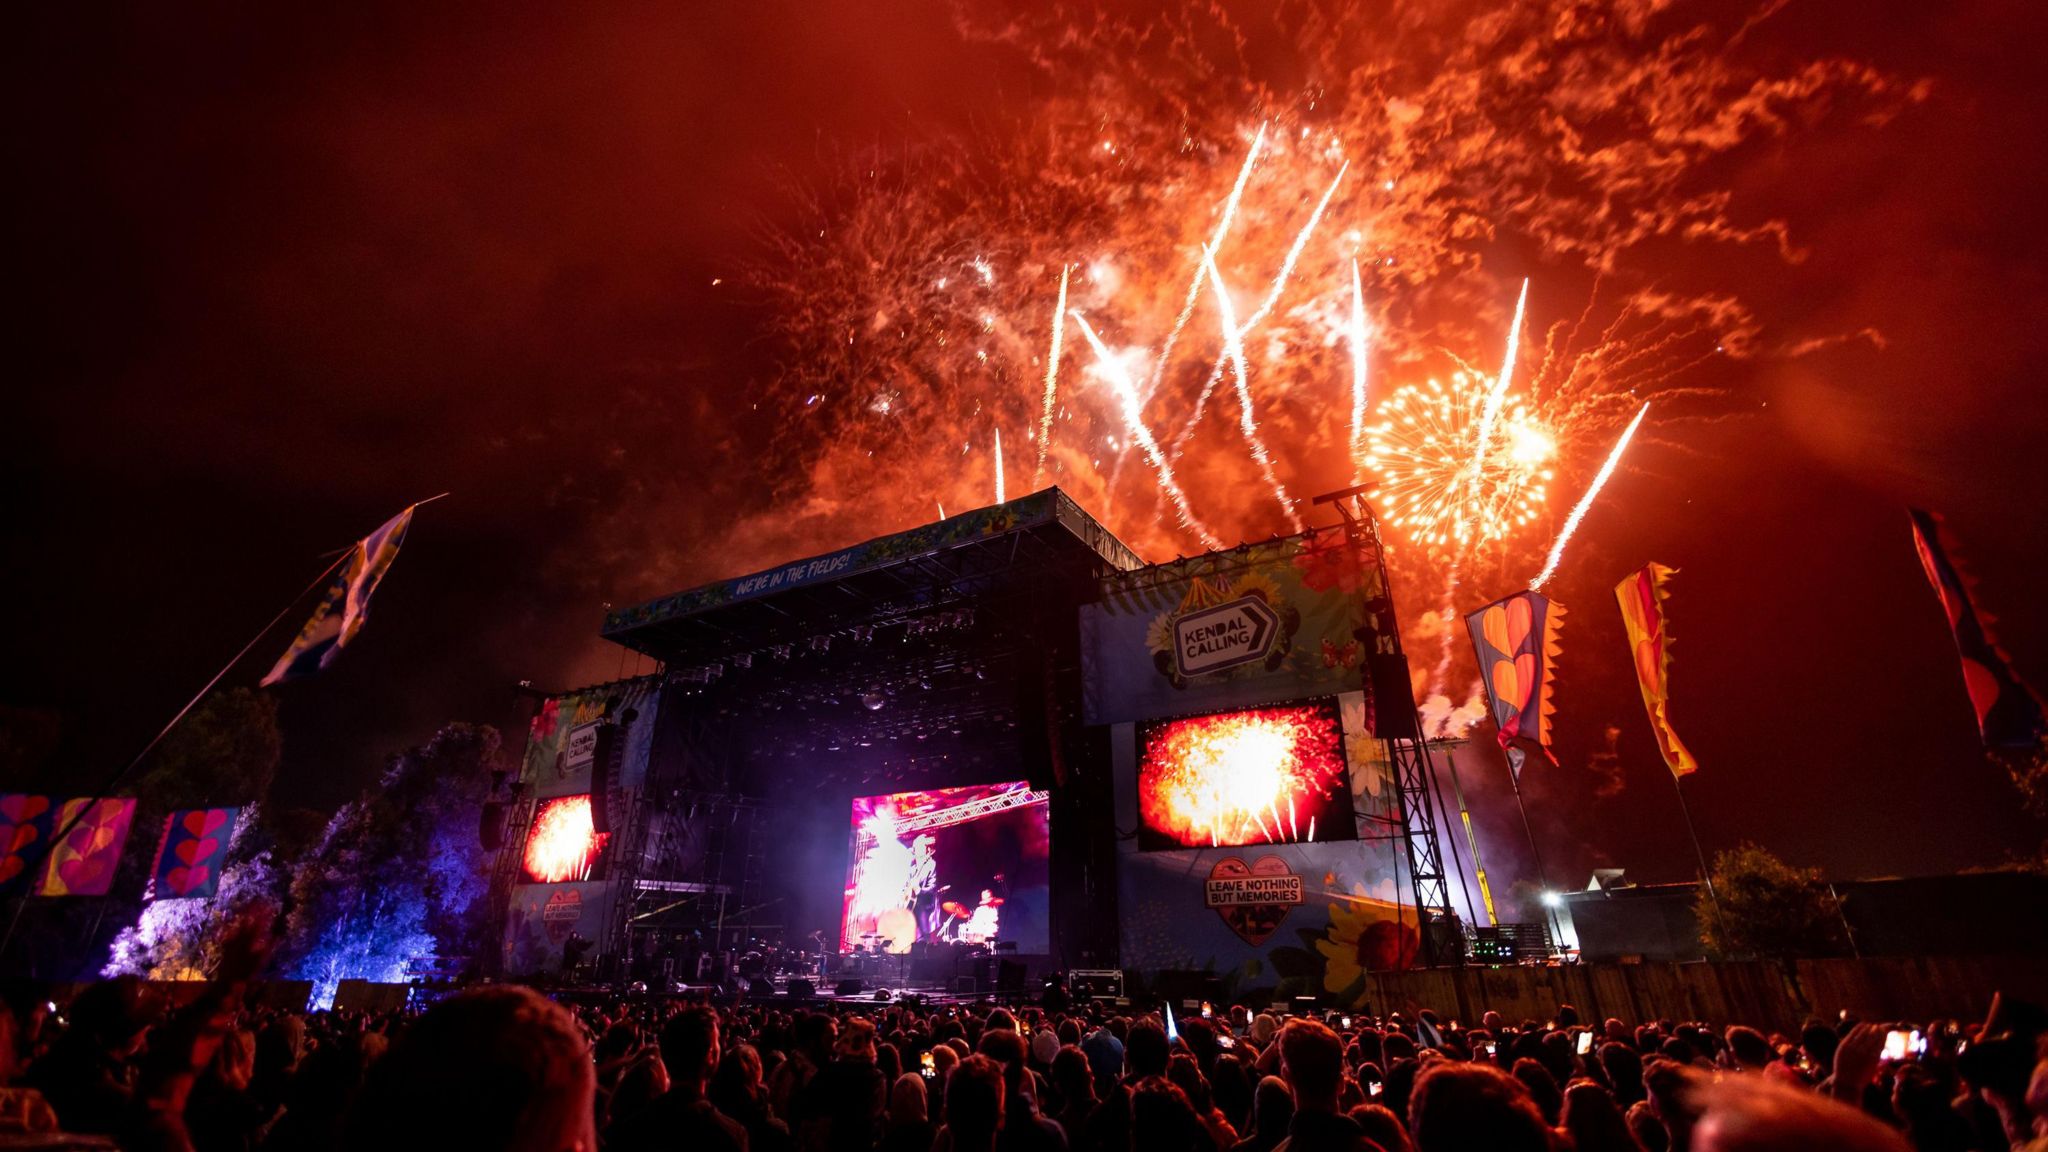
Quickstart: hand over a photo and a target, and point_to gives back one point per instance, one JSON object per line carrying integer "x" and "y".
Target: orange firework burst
{"x": 1270, "y": 775}
{"x": 1421, "y": 456}
{"x": 562, "y": 845}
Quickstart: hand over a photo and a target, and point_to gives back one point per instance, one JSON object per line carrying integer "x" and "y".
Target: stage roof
{"x": 975, "y": 554}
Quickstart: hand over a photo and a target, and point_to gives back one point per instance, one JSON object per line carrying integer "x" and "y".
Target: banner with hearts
{"x": 192, "y": 853}
{"x": 26, "y": 823}
{"x": 1515, "y": 640}
{"x": 84, "y": 860}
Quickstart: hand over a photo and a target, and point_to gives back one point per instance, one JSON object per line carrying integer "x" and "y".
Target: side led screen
{"x": 562, "y": 845}
{"x": 953, "y": 866}
{"x": 1262, "y": 776}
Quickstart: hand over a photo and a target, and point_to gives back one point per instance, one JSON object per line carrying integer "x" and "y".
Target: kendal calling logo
{"x": 1224, "y": 636}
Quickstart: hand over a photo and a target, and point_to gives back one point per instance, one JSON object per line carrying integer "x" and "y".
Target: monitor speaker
{"x": 850, "y": 987}
{"x": 802, "y": 989}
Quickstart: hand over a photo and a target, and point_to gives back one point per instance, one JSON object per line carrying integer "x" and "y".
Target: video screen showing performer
{"x": 948, "y": 866}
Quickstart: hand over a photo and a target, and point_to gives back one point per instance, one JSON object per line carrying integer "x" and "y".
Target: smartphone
{"x": 926, "y": 1065}
{"x": 1487, "y": 1048}
{"x": 1208, "y": 1010}
{"x": 1585, "y": 1043}
{"x": 1375, "y": 1088}
{"x": 1225, "y": 1040}
{"x": 1900, "y": 1044}
{"x": 1344, "y": 1022}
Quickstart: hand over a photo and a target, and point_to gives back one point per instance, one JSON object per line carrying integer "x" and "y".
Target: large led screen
{"x": 562, "y": 845}
{"x": 949, "y": 866}
{"x": 1261, "y": 776}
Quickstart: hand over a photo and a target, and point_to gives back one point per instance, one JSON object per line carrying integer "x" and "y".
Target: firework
{"x": 1052, "y": 377}
{"x": 1113, "y": 371}
{"x": 1233, "y": 347}
{"x": 1000, "y": 497}
{"x": 1578, "y": 513}
{"x": 1358, "y": 335}
{"x": 1421, "y": 455}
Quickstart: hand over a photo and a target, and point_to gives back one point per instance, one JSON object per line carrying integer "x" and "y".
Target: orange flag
{"x": 1642, "y": 610}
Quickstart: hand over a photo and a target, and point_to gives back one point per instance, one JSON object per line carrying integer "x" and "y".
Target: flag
{"x": 2009, "y": 715}
{"x": 193, "y": 850}
{"x": 1641, "y": 597}
{"x": 346, "y": 604}
{"x": 83, "y": 862}
{"x": 26, "y": 823}
{"x": 1516, "y": 642}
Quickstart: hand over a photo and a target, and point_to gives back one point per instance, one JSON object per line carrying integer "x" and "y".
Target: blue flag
{"x": 346, "y": 604}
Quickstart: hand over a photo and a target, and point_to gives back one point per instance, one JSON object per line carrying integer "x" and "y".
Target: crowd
{"x": 506, "y": 1068}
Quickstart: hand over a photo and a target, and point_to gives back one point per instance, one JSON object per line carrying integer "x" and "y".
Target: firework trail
{"x": 1490, "y": 414}
{"x": 1571, "y": 522}
{"x": 1358, "y": 336}
{"x": 1134, "y": 420}
{"x": 1257, "y": 317}
{"x": 1000, "y": 498}
{"x": 1052, "y": 376}
{"x": 1194, "y": 293}
{"x": 1233, "y": 347}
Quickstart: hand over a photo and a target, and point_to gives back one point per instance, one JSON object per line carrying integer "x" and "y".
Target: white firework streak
{"x": 1052, "y": 377}
{"x": 999, "y": 465}
{"x": 1359, "y": 335}
{"x": 1571, "y": 522}
{"x": 1264, "y": 309}
{"x": 1187, "y": 306}
{"x": 1233, "y": 349}
{"x": 1490, "y": 414}
{"x": 1134, "y": 419}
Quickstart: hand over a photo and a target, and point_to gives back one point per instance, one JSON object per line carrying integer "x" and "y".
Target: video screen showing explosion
{"x": 562, "y": 845}
{"x": 963, "y": 866}
{"x": 1263, "y": 776}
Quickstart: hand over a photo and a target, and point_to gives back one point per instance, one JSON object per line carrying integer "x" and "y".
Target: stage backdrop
{"x": 561, "y": 744}
{"x": 542, "y": 917}
{"x": 1301, "y": 918}
{"x": 1233, "y": 687}
{"x": 1255, "y": 625}
{"x": 560, "y": 762}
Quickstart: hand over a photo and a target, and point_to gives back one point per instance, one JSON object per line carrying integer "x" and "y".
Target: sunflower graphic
{"x": 1366, "y": 934}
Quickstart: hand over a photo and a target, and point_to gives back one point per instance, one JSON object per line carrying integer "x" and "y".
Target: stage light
{"x": 1552, "y": 900}
{"x": 873, "y": 701}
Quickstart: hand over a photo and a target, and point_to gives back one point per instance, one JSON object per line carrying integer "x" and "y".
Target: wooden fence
{"x": 1768, "y": 994}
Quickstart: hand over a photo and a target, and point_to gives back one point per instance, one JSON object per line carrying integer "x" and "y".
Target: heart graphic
{"x": 204, "y": 821}
{"x": 1253, "y": 919}
{"x": 193, "y": 851}
{"x": 184, "y": 880}
{"x": 18, "y": 808}
{"x": 24, "y": 835}
{"x": 1649, "y": 661}
{"x": 10, "y": 867}
{"x": 82, "y": 876}
{"x": 1507, "y": 685}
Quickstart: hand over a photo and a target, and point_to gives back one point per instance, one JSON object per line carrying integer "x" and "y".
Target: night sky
{"x": 280, "y": 273}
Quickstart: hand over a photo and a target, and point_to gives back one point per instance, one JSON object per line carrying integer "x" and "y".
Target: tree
{"x": 399, "y": 874}
{"x": 1762, "y": 906}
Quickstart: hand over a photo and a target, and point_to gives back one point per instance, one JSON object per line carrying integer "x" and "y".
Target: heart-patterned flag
{"x": 2009, "y": 714}
{"x": 26, "y": 823}
{"x": 1516, "y": 641}
{"x": 84, "y": 860}
{"x": 192, "y": 853}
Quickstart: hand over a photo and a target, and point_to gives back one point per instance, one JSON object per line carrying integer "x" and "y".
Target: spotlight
{"x": 1552, "y": 900}
{"x": 873, "y": 701}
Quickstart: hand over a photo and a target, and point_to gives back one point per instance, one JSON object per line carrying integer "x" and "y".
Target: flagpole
{"x": 1544, "y": 894}
{"x": 1706, "y": 874}
{"x": 1465, "y": 817}
{"x": 112, "y": 781}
